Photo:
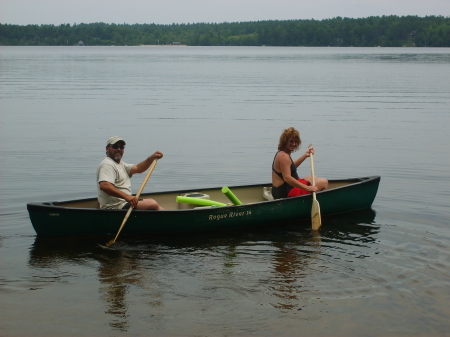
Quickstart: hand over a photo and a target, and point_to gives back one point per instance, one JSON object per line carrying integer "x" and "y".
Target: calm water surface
{"x": 217, "y": 113}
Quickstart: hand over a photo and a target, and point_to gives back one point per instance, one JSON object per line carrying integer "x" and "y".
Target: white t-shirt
{"x": 116, "y": 174}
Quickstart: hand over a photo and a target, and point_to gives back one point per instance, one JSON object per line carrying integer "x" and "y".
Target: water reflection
{"x": 355, "y": 228}
{"x": 118, "y": 273}
{"x": 278, "y": 262}
{"x": 290, "y": 268}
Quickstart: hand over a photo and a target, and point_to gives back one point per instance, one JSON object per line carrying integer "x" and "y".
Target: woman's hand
{"x": 309, "y": 152}
{"x": 313, "y": 188}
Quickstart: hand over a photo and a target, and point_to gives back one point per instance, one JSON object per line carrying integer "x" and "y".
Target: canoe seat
{"x": 267, "y": 193}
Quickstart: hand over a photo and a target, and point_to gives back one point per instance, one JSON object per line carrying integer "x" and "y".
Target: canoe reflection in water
{"x": 143, "y": 277}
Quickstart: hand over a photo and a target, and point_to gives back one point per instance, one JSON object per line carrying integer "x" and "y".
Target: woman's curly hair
{"x": 284, "y": 138}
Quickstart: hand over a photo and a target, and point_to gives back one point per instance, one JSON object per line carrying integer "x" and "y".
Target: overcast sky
{"x": 56, "y": 12}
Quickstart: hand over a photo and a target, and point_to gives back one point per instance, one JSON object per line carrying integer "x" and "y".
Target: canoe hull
{"x": 54, "y": 219}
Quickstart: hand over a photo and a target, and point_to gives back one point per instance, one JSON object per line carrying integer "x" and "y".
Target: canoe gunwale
{"x": 58, "y": 204}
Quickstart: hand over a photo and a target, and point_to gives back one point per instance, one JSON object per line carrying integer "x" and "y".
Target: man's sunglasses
{"x": 115, "y": 147}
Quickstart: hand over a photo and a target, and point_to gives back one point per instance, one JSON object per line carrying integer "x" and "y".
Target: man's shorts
{"x": 127, "y": 205}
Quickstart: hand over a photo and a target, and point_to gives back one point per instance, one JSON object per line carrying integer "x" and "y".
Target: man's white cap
{"x": 114, "y": 140}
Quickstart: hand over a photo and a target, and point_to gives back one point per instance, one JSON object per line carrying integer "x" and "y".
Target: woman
{"x": 285, "y": 180}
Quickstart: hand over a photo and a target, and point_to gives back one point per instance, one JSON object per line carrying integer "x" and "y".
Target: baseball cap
{"x": 114, "y": 140}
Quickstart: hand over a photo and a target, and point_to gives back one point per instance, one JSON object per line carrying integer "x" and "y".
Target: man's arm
{"x": 144, "y": 165}
{"x": 111, "y": 190}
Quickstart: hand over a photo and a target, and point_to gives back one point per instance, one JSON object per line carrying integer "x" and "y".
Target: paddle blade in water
{"x": 315, "y": 215}
{"x": 110, "y": 243}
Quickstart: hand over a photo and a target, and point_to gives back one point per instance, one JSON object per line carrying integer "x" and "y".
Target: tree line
{"x": 385, "y": 31}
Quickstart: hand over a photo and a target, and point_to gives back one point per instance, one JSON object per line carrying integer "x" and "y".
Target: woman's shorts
{"x": 296, "y": 191}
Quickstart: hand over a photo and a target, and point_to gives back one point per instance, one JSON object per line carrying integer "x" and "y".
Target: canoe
{"x": 83, "y": 217}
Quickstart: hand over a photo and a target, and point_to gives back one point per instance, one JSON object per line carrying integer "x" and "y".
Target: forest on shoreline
{"x": 385, "y": 31}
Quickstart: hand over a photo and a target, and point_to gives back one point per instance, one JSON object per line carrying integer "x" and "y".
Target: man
{"x": 113, "y": 178}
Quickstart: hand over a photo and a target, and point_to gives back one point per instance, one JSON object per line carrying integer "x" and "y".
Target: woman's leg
{"x": 321, "y": 183}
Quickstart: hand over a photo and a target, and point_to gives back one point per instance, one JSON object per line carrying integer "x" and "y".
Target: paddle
{"x": 111, "y": 242}
{"x": 315, "y": 210}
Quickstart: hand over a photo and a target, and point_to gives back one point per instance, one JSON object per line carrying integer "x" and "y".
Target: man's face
{"x": 115, "y": 151}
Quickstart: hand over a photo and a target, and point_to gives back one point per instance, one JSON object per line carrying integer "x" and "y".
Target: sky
{"x": 24, "y": 12}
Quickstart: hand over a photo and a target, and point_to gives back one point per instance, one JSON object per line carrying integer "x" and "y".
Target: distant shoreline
{"x": 385, "y": 31}
{"x": 163, "y": 45}
{"x": 262, "y": 46}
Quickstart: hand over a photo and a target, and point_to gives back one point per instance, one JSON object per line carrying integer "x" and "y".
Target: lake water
{"x": 217, "y": 113}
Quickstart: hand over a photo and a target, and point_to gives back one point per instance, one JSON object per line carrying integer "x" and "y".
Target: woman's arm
{"x": 285, "y": 168}
{"x": 301, "y": 159}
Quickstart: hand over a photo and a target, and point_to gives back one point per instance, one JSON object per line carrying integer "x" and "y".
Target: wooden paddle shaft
{"x": 312, "y": 169}
{"x": 312, "y": 173}
{"x": 152, "y": 167}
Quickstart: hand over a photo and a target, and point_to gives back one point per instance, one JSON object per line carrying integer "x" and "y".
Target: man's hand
{"x": 132, "y": 200}
{"x": 157, "y": 155}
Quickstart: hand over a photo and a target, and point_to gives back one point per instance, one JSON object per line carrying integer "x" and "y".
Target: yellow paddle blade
{"x": 315, "y": 215}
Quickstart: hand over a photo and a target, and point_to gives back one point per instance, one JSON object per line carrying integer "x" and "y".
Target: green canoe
{"x": 83, "y": 217}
